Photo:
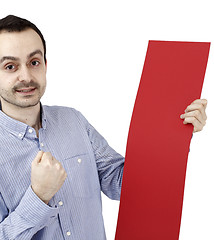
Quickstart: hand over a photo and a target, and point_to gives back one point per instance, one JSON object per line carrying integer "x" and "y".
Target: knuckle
{"x": 201, "y": 106}
{"x": 189, "y": 119}
{"x": 63, "y": 172}
{"x": 187, "y": 109}
{"x": 194, "y": 120}
{"x": 199, "y": 128}
{"x": 47, "y": 154}
{"x": 58, "y": 165}
{"x": 205, "y": 101}
{"x": 47, "y": 164}
{"x": 197, "y": 113}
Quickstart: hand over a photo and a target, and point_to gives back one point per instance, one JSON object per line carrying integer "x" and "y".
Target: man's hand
{"x": 47, "y": 176}
{"x": 195, "y": 114}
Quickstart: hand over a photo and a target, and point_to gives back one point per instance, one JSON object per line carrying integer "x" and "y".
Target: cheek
{"x": 41, "y": 79}
{"x": 5, "y": 83}
{"x": 7, "y": 78}
{"x": 39, "y": 76}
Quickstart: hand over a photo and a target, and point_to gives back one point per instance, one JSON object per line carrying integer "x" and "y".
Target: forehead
{"x": 19, "y": 44}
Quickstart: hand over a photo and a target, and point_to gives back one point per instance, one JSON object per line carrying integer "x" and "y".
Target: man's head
{"x": 22, "y": 63}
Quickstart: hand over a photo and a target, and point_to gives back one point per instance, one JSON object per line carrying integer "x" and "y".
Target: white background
{"x": 96, "y": 50}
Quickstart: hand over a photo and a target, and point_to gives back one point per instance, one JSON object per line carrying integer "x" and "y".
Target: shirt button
{"x": 42, "y": 144}
{"x": 60, "y": 203}
{"x": 68, "y": 233}
{"x": 79, "y": 160}
{"x": 30, "y": 130}
{"x": 20, "y": 135}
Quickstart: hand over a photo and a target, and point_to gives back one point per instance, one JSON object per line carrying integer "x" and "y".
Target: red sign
{"x": 158, "y": 141}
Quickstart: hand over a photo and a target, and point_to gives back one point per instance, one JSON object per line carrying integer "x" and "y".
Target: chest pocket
{"x": 81, "y": 176}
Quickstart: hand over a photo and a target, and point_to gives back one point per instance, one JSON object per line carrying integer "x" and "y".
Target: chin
{"x": 23, "y": 104}
{"x": 27, "y": 104}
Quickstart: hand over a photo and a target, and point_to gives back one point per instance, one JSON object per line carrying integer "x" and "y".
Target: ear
{"x": 46, "y": 64}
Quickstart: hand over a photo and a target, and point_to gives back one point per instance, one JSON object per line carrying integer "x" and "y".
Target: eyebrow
{"x": 8, "y": 58}
{"x": 34, "y": 53}
{"x": 17, "y": 59}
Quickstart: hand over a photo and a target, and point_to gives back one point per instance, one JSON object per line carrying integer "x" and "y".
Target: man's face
{"x": 22, "y": 68}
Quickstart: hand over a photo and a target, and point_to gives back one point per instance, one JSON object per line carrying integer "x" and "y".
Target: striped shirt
{"x": 92, "y": 166}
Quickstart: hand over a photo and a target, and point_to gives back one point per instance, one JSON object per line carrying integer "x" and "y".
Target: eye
{"x": 35, "y": 63}
{"x": 10, "y": 67}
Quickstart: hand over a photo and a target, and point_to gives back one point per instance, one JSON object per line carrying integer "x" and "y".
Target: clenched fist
{"x": 47, "y": 176}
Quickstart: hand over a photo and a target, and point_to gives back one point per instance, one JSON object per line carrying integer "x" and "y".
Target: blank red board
{"x": 158, "y": 141}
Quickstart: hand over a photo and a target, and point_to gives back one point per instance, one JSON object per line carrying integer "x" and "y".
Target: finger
{"x": 58, "y": 165}
{"x": 196, "y": 124}
{"x": 199, "y": 107}
{"x": 47, "y": 157}
{"x": 194, "y": 106}
{"x": 54, "y": 160}
{"x": 197, "y": 114}
{"x": 38, "y": 157}
{"x": 201, "y": 101}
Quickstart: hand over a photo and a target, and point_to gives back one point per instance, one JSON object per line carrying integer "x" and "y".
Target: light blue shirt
{"x": 92, "y": 166}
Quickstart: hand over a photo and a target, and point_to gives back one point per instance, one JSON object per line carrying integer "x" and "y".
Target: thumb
{"x": 38, "y": 157}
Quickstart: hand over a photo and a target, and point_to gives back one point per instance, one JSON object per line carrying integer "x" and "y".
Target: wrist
{"x": 46, "y": 201}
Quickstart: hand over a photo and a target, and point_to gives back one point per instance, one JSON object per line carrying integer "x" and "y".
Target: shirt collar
{"x": 16, "y": 127}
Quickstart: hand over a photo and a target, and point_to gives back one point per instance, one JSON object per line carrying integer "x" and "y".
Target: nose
{"x": 24, "y": 74}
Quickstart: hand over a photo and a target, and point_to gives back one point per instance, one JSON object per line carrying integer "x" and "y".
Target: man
{"x": 54, "y": 164}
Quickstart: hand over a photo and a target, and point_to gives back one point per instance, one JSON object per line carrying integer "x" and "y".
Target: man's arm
{"x": 33, "y": 213}
{"x": 28, "y": 218}
{"x": 109, "y": 162}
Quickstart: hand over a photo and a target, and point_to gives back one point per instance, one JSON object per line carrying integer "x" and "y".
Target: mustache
{"x": 26, "y": 85}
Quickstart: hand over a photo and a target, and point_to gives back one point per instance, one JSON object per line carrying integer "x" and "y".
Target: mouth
{"x": 26, "y": 91}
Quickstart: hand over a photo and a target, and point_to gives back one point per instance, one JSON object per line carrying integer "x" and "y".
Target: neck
{"x": 28, "y": 115}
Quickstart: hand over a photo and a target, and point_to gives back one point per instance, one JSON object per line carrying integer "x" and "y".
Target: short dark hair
{"x": 13, "y": 23}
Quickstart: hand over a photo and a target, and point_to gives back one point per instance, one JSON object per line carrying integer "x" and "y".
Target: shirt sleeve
{"x": 28, "y": 218}
{"x": 109, "y": 163}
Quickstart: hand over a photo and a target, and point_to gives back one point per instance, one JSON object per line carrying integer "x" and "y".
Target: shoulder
{"x": 64, "y": 113}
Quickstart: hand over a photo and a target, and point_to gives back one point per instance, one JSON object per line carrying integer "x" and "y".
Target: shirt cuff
{"x": 34, "y": 210}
